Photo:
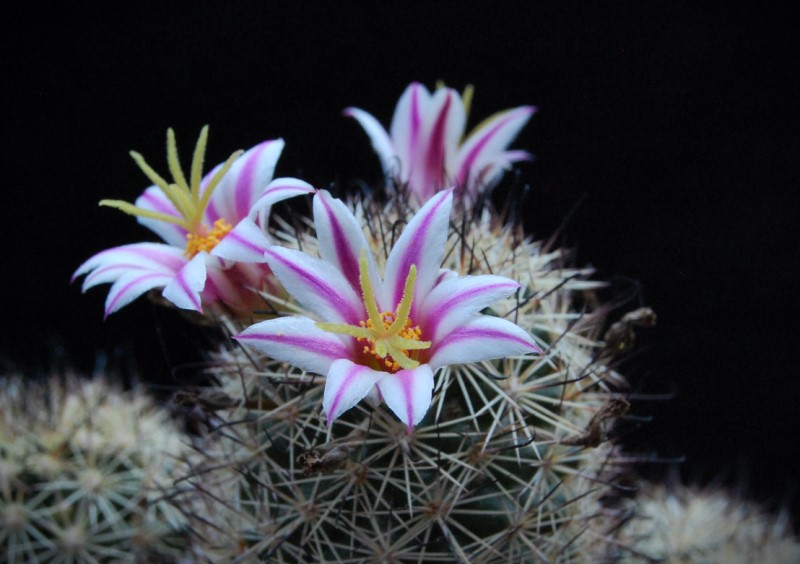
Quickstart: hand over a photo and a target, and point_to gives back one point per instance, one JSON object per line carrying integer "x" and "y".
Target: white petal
{"x": 132, "y": 285}
{"x": 481, "y": 158}
{"x": 381, "y": 142}
{"x": 347, "y": 384}
{"x": 298, "y": 341}
{"x": 111, "y": 264}
{"x": 456, "y": 300}
{"x": 406, "y": 127}
{"x": 422, "y": 244}
{"x": 442, "y": 130}
{"x": 317, "y": 285}
{"x": 184, "y": 289}
{"x": 154, "y": 199}
{"x": 246, "y": 180}
{"x": 278, "y": 190}
{"x": 341, "y": 238}
{"x": 244, "y": 243}
{"x": 483, "y": 338}
{"x": 408, "y": 393}
{"x": 490, "y": 139}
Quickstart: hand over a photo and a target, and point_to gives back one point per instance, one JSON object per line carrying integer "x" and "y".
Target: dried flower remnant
{"x": 425, "y": 146}
{"x": 384, "y": 338}
{"x": 213, "y": 228}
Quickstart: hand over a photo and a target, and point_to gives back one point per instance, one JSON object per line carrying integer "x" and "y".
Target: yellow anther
{"x": 391, "y": 335}
{"x": 196, "y": 243}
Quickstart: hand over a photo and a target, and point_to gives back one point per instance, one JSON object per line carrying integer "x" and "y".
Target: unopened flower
{"x": 384, "y": 338}
{"x": 213, "y": 228}
{"x": 425, "y": 146}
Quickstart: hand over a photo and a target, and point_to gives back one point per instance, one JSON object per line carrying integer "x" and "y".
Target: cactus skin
{"x": 84, "y": 474}
{"x": 512, "y": 462}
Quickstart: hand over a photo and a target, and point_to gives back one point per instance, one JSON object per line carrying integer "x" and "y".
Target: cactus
{"x": 512, "y": 462}
{"x": 705, "y": 525}
{"x": 85, "y": 472}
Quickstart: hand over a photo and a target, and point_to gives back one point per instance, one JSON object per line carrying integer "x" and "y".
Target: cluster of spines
{"x": 86, "y": 474}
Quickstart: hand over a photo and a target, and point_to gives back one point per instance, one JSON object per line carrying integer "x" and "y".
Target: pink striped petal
{"x": 317, "y": 285}
{"x": 341, "y": 239}
{"x": 244, "y": 182}
{"x": 381, "y": 142}
{"x": 457, "y": 300}
{"x": 406, "y": 125}
{"x": 488, "y": 141}
{"x": 111, "y": 264}
{"x": 443, "y": 128}
{"x": 408, "y": 393}
{"x": 298, "y": 341}
{"x": 154, "y": 199}
{"x": 483, "y": 338}
{"x": 276, "y": 191}
{"x": 244, "y": 243}
{"x": 485, "y": 177}
{"x": 347, "y": 384}
{"x": 422, "y": 244}
{"x": 130, "y": 286}
{"x": 184, "y": 289}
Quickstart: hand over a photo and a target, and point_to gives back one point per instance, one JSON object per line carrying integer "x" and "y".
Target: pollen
{"x": 407, "y": 332}
{"x": 196, "y": 243}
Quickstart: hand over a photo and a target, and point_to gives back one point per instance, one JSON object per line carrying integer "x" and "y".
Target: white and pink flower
{"x": 383, "y": 338}
{"x": 425, "y": 146}
{"x": 213, "y": 228}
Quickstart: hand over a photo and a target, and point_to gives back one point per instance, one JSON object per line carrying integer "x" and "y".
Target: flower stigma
{"x": 184, "y": 195}
{"x": 389, "y": 337}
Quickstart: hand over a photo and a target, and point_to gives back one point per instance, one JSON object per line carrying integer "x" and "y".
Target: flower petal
{"x": 184, "y": 289}
{"x": 456, "y": 300}
{"x": 443, "y": 128}
{"x": 298, "y": 341}
{"x": 341, "y": 238}
{"x": 490, "y": 139}
{"x": 111, "y": 264}
{"x": 244, "y": 183}
{"x": 483, "y": 338}
{"x": 485, "y": 145}
{"x": 130, "y": 286}
{"x": 406, "y": 125}
{"x": 154, "y": 199}
{"x": 347, "y": 384}
{"x": 278, "y": 190}
{"x": 381, "y": 142}
{"x": 408, "y": 393}
{"x": 317, "y": 285}
{"x": 244, "y": 243}
{"x": 422, "y": 244}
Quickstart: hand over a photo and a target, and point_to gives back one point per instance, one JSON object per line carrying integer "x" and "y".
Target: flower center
{"x": 389, "y": 337}
{"x": 196, "y": 243}
{"x": 407, "y": 332}
{"x": 184, "y": 195}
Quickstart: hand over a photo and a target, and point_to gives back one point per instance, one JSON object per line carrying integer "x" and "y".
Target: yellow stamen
{"x": 466, "y": 98}
{"x": 390, "y": 335}
{"x": 185, "y": 196}
{"x": 196, "y": 243}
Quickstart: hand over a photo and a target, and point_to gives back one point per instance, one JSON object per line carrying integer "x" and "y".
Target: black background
{"x": 665, "y": 127}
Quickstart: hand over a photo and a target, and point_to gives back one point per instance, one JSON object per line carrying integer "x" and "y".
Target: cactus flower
{"x": 383, "y": 338}
{"x": 425, "y": 146}
{"x": 213, "y": 228}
